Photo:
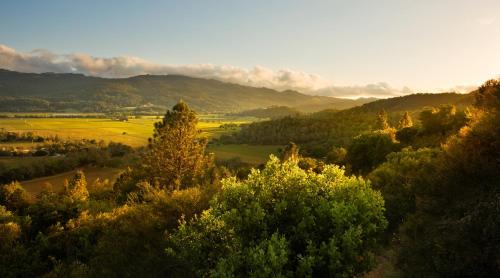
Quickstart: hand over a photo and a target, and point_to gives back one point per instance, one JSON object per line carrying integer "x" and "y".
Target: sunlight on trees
{"x": 284, "y": 221}
{"x": 176, "y": 154}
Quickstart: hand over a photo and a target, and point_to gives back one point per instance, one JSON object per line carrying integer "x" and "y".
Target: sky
{"x": 339, "y": 48}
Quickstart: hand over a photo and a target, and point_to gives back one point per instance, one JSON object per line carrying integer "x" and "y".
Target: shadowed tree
{"x": 176, "y": 153}
{"x": 462, "y": 240}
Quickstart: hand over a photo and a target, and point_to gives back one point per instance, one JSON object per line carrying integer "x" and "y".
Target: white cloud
{"x": 124, "y": 66}
{"x": 378, "y": 90}
{"x": 461, "y": 89}
{"x": 41, "y": 60}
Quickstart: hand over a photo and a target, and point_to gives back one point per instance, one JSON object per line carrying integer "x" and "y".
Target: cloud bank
{"x": 378, "y": 90}
{"x": 40, "y": 60}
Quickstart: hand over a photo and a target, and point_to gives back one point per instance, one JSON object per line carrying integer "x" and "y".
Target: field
{"x": 134, "y": 132}
{"x": 57, "y": 181}
{"x": 253, "y": 154}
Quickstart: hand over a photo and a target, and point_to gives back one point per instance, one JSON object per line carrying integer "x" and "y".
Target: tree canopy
{"x": 286, "y": 222}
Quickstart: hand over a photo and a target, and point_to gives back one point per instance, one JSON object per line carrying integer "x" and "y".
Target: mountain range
{"x": 45, "y": 92}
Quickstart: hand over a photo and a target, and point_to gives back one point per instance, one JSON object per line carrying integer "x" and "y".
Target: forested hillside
{"x": 418, "y": 101}
{"x": 23, "y": 92}
{"x": 320, "y": 131}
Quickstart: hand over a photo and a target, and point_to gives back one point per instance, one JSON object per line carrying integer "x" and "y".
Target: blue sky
{"x": 425, "y": 45}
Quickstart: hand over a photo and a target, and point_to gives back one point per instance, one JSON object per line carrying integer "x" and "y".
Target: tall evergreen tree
{"x": 176, "y": 153}
{"x": 382, "y": 121}
{"x": 405, "y": 121}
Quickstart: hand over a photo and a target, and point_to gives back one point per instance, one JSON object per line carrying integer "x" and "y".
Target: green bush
{"x": 283, "y": 221}
{"x": 398, "y": 178}
{"x": 368, "y": 150}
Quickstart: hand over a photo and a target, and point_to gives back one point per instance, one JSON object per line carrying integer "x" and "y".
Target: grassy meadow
{"x": 134, "y": 132}
{"x": 253, "y": 154}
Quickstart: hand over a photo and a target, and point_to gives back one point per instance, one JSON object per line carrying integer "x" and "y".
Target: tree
{"x": 76, "y": 188}
{"x": 14, "y": 261}
{"x": 443, "y": 120}
{"x": 407, "y": 135}
{"x": 382, "y": 120}
{"x": 454, "y": 232}
{"x": 291, "y": 152}
{"x": 368, "y": 150}
{"x": 176, "y": 153}
{"x": 405, "y": 121}
{"x": 14, "y": 197}
{"x": 285, "y": 222}
{"x": 336, "y": 156}
{"x": 397, "y": 179}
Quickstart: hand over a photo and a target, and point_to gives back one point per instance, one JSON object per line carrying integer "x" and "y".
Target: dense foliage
{"x": 368, "y": 150}
{"x": 58, "y": 156}
{"x": 319, "y": 132}
{"x": 316, "y": 133}
{"x": 462, "y": 238}
{"x": 286, "y": 222}
{"x": 398, "y": 179}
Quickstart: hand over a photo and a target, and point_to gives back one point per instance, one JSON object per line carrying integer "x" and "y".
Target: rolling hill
{"x": 327, "y": 128}
{"x": 417, "y": 102}
{"x": 25, "y": 92}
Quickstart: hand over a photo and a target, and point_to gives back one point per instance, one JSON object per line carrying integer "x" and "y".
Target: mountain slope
{"x": 417, "y": 102}
{"x": 59, "y": 92}
{"x": 319, "y": 131}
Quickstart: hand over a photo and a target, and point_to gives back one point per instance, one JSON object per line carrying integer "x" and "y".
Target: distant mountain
{"x": 417, "y": 102}
{"x": 23, "y": 92}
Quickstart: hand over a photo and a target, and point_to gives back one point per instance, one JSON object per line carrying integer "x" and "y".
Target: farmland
{"x": 252, "y": 154}
{"x": 133, "y": 132}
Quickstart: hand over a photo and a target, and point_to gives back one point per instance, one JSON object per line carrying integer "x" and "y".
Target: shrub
{"x": 284, "y": 221}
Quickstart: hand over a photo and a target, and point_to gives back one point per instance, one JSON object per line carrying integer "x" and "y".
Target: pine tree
{"x": 176, "y": 153}
{"x": 382, "y": 122}
{"x": 405, "y": 121}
